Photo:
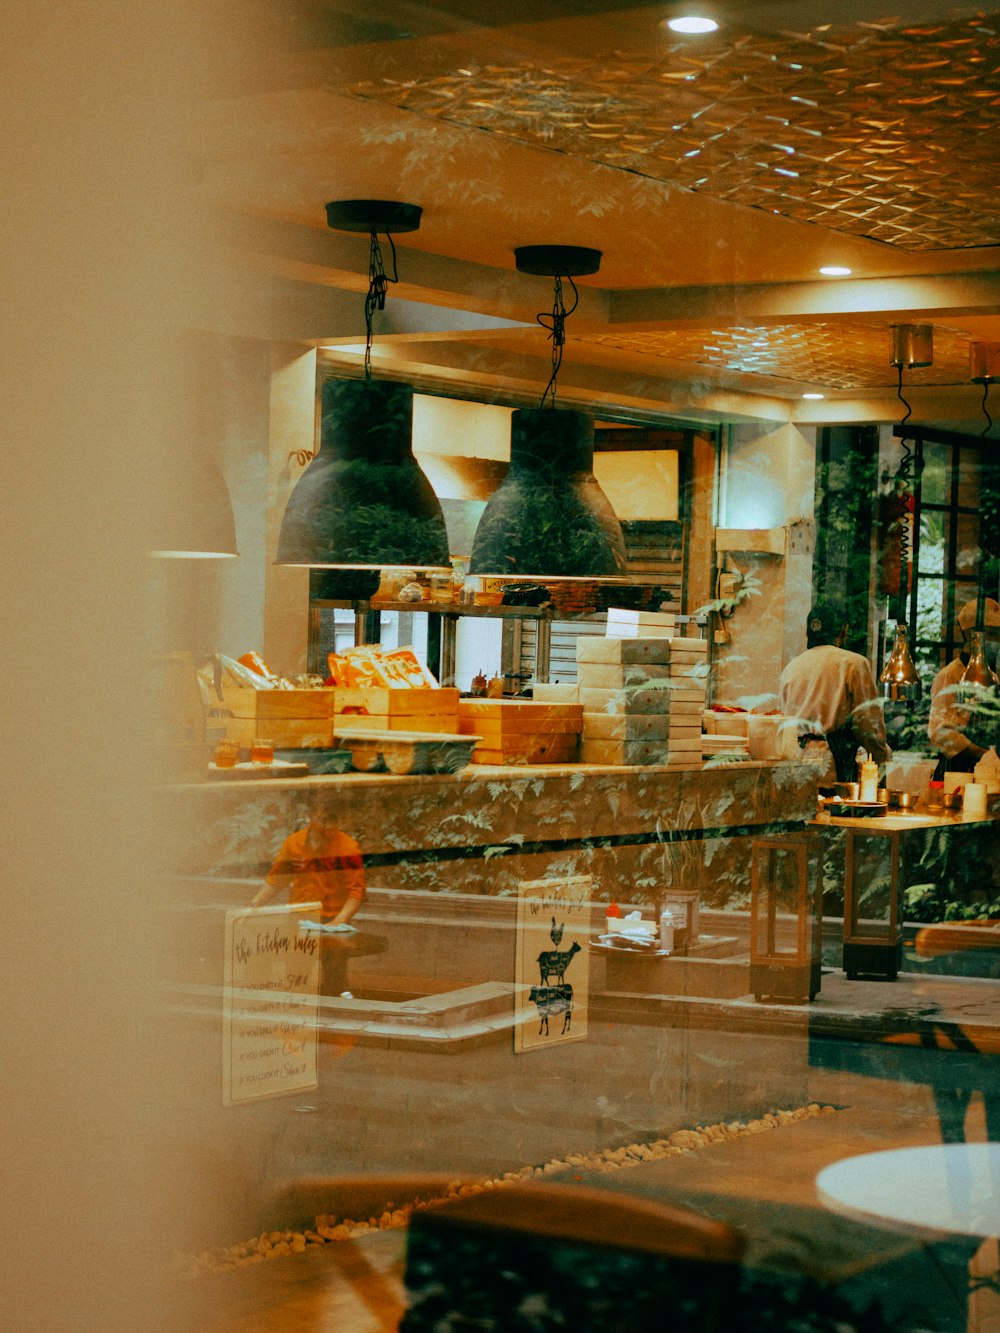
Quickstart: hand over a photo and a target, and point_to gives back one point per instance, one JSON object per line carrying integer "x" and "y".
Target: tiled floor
{"x": 356, "y": 1286}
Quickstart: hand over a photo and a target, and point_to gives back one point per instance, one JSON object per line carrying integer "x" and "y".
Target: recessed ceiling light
{"x": 692, "y": 23}
{"x": 813, "y": 395}
{"x": 835, "y": 271}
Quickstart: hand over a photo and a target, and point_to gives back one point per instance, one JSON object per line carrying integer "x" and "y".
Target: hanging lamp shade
{"x": 363, "y": 502}
{"x": 899, "y": 679}
{"x": 549, "y": 517}
{"x": 199, "y": 524}
{"x": 978, "y": 678}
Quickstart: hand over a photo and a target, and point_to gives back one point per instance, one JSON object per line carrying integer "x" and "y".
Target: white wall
{"x": 454, "y": 426}
{"x": 768, "y": 481}
{"x": 769, "y": 476}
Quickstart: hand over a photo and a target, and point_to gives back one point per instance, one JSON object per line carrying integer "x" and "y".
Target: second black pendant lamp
{"x": 549, "y": 518}
{"x": 363, "y": 502}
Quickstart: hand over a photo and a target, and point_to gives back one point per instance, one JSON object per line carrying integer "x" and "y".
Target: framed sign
{"x": 552, "y": 963}
{"x": 270, "y": 1003}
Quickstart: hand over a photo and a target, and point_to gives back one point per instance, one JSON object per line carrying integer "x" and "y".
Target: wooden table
{"x": 874, "y": 948}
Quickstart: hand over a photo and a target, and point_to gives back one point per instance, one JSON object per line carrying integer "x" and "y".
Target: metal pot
{"x": 901, "y": 800}
{"x": 945, "y": 800}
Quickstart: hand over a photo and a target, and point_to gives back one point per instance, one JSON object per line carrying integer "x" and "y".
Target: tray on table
{"x": 406, "y": 752}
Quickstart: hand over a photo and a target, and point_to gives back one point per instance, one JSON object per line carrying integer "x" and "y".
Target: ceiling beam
{"x": 338, "y": 259}
{"x": 905, "y": 298}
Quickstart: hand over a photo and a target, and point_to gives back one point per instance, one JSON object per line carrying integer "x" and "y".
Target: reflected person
{"x": 960, "y": 737}
{"x": 320, "y": 863}
{"x": 831, "y": 693}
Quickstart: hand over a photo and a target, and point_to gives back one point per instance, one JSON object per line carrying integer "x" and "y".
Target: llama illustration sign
{"x": 552, "y": 962}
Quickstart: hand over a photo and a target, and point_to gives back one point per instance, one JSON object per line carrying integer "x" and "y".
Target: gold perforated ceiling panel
{"x": 849, "y": 357}
{"x": 888, "y": 130}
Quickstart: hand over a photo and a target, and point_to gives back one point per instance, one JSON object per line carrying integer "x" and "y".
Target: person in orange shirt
{"x": 320, "y": 863}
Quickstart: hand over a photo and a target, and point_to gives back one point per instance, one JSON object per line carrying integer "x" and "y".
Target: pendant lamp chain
{"x": 556, "y": 325}
{"x": 378, "y": 283}
{"x": 900, "y": 679}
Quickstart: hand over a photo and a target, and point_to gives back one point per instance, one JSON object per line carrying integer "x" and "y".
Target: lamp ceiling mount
{"x": 373, "y": 215}
{"x": 912, "y": 346}
{"x": 557, "y": 261}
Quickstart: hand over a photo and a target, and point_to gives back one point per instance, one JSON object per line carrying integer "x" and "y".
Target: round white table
{"x": 952, "y": 1187}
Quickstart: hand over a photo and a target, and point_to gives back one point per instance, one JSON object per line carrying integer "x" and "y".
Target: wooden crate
{"x": 517, "y": 717}
{"x": 292, "y": 719}
{"x": 379, "y": 709}
{"x": 527, "y": 749}
{"x": 515, "y": 731}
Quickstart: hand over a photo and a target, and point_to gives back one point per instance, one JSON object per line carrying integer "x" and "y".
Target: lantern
{"x": 786, "y": 919}
{"x": 873, "y": 942}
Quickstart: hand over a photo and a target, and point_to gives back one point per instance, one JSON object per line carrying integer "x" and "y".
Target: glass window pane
{"x": 969, "y": 478}
{"x": 935, "y": 478}
{"x": 966, "y": 529}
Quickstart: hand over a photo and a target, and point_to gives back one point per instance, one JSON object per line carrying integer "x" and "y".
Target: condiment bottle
{"x": 869, "y": 781}
{"x": 667, "y": 930}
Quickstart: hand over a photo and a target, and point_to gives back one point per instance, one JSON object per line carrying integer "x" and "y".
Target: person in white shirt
{"x": 960, "y": 738}
{"x": 831, "y": 693}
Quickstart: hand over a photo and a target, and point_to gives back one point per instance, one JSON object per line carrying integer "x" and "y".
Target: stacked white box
{"x": 626, "y": 624}
{"x": 629, "y": 692}
{"x": 688, "y": 693}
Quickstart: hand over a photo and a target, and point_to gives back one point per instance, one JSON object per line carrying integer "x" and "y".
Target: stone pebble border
{"x": 329, "y": 1228}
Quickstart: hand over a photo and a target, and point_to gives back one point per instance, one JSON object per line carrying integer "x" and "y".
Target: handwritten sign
{"x": 270, "y": 1003}
{"x": 552, "y": 964}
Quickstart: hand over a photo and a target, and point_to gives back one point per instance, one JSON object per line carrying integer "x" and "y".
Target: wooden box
{"x": 292, "y": 719}
{"x": 379, "y": 709}
{"x": 517, "y": 731}
{"x": 528, "y": 749}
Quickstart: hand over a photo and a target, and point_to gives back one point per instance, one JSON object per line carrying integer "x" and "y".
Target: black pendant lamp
{"x": 363, "y": 502}
{"x": 549, "y": 518}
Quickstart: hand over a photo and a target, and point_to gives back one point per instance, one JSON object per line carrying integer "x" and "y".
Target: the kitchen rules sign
{"x": 270, "y": 1003}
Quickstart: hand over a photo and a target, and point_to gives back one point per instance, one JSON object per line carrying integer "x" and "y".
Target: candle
{"x": 974, "y": 799}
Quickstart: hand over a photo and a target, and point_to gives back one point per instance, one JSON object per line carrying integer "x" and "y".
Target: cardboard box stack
{"x": 642, "y": 692}
{"x": 521, "y": 731}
